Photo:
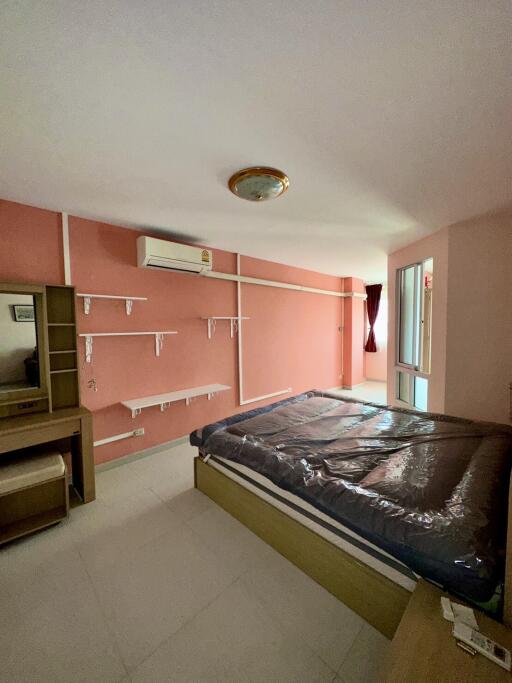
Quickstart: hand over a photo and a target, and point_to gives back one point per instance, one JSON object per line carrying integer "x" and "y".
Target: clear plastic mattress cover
{"x": 429, "y": 489}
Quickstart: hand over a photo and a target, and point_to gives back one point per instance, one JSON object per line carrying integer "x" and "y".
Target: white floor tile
{"x": 233, "y": 639}
{"x": 112, "y": 533}
{"x": 371, "y": 390}
{"x": 57, "y": 635}
{"x": 305, "y": 609}
{"x": 365, "y": 658}
{"x": 155, "y": 574}
{"x": 230, "y": 540}
{"x": 190, "y": 504}
{"x": 165, "y": 583}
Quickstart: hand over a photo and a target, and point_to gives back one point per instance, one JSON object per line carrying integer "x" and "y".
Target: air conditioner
{"x": 154, "y": 253}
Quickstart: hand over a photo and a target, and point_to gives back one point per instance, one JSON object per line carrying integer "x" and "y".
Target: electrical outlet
{"x": 138, "y": 432}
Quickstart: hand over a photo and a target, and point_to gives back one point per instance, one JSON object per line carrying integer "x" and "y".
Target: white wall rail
{"x": 88, "y": 336}
{"x": 136, "y": 405}
{"x": 128, "y": 300}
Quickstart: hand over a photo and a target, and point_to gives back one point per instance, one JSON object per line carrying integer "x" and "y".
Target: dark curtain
{"x": 372, "y": 306}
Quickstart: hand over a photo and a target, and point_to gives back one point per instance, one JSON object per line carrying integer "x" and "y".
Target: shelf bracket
{"x": 135, "y": 412}
{"x": 233, "y": 325}
{"x": 211, "y": 327}
{"x": 210, "y": 396}
{"x": 164, "y": 406}
{"x": 88, "y": 349}
{"x": 129, "y": 306}
{"x": 159, "y": 342}
{"x": 87, "y": 304}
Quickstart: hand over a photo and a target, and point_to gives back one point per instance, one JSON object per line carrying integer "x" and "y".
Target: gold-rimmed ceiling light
{"x": 258, "y": 183}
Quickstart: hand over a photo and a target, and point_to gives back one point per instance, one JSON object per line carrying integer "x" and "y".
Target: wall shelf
{"x": 164, "y": 400}
{"x": 159, "y": 339}
{"x": 59, "y": 372}
{"x": 234, "y": 322}
{"x": 128, "y": 300}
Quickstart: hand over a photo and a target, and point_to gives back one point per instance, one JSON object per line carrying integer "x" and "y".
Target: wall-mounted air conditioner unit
{"x": 154, "y": 253}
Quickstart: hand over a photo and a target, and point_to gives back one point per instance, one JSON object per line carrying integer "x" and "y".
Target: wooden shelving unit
{"x": 62, "y": 349}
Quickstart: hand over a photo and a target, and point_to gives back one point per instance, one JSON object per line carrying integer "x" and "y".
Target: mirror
{"x": 19, "y": 364}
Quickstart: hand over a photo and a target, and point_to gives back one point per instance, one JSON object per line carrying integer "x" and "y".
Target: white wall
{"x": 471, "y": 317}
{"x": 17, "y": 340}
{"x": 479, "y": 322}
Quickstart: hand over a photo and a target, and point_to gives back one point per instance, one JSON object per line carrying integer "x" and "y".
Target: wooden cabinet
{"x": 424, "y": 651}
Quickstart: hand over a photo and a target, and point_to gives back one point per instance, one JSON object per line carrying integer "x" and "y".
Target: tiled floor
{"x": 370, "y": 390}
{"x": 154, "y": 582}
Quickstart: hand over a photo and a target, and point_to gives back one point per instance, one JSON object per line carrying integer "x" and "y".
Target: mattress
{"x": 428, "y": 490}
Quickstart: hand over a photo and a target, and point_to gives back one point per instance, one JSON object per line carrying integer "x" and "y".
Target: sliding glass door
{"x": 414, "y": 300}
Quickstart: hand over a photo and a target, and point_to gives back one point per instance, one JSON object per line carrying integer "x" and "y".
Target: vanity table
{"x": 43, "y": 405}
{"x": 70, "y": 429}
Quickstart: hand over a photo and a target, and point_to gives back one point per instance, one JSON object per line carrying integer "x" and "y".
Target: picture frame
{"x": 24, "y": 313}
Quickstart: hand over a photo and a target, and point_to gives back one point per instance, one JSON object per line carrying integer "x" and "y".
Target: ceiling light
{"x": 258, "y": 183}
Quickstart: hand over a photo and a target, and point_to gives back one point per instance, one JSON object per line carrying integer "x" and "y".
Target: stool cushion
{"x": 30, "y": 470}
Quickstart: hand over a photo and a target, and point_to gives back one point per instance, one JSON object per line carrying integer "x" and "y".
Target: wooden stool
{"x": 33, "y": 491}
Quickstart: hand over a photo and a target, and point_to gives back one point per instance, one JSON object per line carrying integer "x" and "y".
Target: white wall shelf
{"x": 234, "y": 322}
{"x": 164, "y": 400}
{"x": 159, "y": 339}
{"x": 128, "y": 300}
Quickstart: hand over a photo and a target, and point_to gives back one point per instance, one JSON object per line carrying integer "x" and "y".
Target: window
{"x": 414, "y": 307}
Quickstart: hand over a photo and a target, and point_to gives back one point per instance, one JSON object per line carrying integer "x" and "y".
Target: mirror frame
{"x": 31, "y": 393}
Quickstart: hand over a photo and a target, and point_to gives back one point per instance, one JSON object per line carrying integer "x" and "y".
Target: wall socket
{"x": 138, "y": 432}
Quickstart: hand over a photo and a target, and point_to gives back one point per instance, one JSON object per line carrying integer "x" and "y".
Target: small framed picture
{"x": 23, "y": 314}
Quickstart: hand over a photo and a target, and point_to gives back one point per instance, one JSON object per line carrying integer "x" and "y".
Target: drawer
{"x": 38, "y": 435}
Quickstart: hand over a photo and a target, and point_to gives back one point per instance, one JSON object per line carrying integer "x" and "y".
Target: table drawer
{"x": 38, "y": 435}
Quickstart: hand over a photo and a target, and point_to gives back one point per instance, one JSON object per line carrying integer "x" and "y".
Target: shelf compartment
{"x": 164, "y": 400}
{"x": 61, "y": 338}
{"x": 63, "y": 361}
{"x": 64, "y": 390}
{"x": 60, "y": 305}
{"x": 128, "y": 300}
{"x": 234, "y": 323}
{"x": 159, "y": 339}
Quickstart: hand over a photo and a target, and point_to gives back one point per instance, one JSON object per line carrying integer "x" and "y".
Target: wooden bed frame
{"x": 377, "y": 599}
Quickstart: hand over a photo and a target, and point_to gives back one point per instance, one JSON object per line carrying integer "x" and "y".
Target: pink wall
{"x": 354, "y": 333}
{"x": 436, "y": 246}
{"x": 479, "y": 336}
{"x": 292, "y": 339}
{"x": 30, "y": 244}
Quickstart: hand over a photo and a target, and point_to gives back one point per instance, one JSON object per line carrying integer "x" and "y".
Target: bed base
{"x": 377, "y": 599}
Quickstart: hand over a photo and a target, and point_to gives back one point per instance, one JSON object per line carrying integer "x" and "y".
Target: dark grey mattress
{"x": 429, "y": 489}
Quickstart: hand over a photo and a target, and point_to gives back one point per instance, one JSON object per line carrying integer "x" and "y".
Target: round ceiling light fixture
{"x": 258, "y": 183}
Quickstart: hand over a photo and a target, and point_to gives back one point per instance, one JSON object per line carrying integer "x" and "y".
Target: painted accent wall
{"x": 292, "y": 339}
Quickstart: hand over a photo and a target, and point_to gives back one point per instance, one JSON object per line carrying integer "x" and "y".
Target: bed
{"x": 367, "y": 498}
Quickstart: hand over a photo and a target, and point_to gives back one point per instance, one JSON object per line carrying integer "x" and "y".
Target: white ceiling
{"x": 392, "y": 118}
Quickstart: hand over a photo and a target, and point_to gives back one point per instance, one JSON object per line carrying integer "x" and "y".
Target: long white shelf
{"x": 164, "y": 400}
{"x": 128, "y": 300}
{"x": 159, "y": 339}
{"x": 234, "y": 322}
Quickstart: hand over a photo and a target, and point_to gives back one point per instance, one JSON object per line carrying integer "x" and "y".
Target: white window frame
{"x": 410, "y": 369}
